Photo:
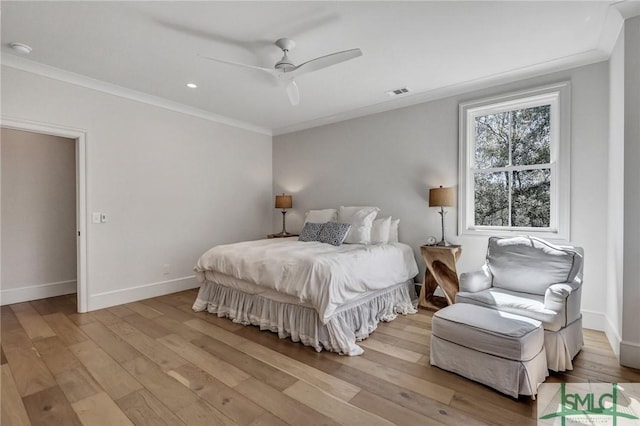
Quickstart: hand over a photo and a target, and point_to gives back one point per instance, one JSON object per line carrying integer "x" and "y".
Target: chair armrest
{"x": 476, "y": 281}
{"x": 555, "y": 298}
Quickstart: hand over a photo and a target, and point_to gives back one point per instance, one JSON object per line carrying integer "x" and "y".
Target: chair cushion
{"x": 486, "y": 330}
{"x": 527, "y": 305}
{"x": 530, "y": 265}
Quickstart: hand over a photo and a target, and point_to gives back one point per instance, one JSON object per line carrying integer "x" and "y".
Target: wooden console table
{"x": 441, "y": 272}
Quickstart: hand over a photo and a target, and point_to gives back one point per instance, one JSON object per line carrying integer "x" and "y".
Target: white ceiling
{"x": 430, "y": 47}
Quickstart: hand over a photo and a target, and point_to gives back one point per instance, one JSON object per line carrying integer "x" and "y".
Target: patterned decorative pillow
{"x": 310, "y": 232}
{"x": 334, "y": 233}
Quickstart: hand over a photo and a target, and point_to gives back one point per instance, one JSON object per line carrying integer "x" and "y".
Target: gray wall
{"x": 391, "y": 159}
{"x": 630, "y": 345}
{"x": 173, "y": 185}
{"x": 38, "y": 210}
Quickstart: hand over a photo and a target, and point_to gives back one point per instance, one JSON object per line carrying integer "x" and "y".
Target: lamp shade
{"x": 284, "y": 201}
{"x": 441, "y": 197}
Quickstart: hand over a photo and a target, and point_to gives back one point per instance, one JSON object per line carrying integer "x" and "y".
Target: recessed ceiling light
{"x": 21, "y": 48}
{"x": 192, "y": 85}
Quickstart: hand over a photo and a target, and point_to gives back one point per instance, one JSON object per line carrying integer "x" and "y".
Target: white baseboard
{"x": 613, "y": 336}
{"x": 146, "y": 291}
{"x": 593, "y": 320}
{"x": 35, "y": 292}
{"x": 630, "y": 354}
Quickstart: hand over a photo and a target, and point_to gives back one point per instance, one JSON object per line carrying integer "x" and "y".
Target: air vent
{"x": 398, "y": 92}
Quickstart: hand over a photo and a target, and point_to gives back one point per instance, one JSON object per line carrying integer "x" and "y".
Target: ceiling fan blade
{"x": 325, "y": 61}
{"x": 293, "y": 93}
{"x": 269, "y": 71}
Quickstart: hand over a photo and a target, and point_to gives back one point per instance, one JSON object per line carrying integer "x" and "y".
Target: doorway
{"x": 38, "y": 246}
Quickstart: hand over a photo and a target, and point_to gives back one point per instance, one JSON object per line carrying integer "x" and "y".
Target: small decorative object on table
{"x": 441, "y": 272}
{"x": 431, "y": 240}
{"x": 283, "y": 202}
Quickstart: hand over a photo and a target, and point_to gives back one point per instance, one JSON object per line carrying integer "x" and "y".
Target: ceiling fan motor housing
{"x": 286, "y": 45}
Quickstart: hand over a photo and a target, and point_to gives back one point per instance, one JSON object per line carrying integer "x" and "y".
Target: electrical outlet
{"x": 166, "y": 269}
{"x": 103, "y": 218}
{"x": 96, "y": 217}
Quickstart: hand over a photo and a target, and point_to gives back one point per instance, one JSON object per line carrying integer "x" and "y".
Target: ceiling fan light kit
{"x": 285, "y": 70}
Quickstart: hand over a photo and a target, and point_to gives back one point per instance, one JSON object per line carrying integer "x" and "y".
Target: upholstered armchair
{"x": 530, "y": 277}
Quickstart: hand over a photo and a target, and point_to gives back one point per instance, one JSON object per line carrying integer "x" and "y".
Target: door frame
{"x": 80, "y": 137}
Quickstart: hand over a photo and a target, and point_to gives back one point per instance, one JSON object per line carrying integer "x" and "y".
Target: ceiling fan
{"x": 285, "y": 70}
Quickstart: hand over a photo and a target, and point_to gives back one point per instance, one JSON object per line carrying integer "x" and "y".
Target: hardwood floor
{"x": 156, "y": 362}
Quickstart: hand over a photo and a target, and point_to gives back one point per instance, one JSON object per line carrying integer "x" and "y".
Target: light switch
{"x": 103, "y": 218}
{"x": 96, "y": 217}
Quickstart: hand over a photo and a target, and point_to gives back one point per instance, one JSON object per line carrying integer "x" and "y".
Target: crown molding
{"x": 560, "y": 64}
{"x": 19, "y": 63}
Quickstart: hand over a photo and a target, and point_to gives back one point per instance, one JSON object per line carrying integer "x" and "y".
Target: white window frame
{"x": 559, "y": 97}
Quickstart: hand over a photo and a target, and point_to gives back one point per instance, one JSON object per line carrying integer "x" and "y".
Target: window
{"x": 514, "y": 164}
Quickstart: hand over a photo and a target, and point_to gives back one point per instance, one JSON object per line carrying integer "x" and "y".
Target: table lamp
{"x": 284, "y": 202}
{"x": 441, "y": 197}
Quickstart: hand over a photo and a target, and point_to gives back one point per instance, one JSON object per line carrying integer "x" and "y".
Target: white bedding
{"x": 318, "y": 274}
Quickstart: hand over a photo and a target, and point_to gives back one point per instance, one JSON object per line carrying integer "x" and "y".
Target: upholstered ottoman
{"x": 498, "y": 349}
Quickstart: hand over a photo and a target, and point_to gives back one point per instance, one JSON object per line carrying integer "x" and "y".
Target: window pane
{"x": 530, "y": 137}
{"x": 531, "y": 199}
{"x": 492, "y": 140}
{"x": 491, "y": 200}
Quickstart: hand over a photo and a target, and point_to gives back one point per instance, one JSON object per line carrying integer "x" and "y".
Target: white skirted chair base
{"x": 500, "y": 350}
{"x": 353, "y": 322}
{"x": 563, "y": 345}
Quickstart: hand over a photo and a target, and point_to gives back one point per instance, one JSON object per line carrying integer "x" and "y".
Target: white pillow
{"x": 380, "y": 230}
{"x": 361, "y": 220}
{"x": 393, "y": 231}
{"x": 321, "y": 216}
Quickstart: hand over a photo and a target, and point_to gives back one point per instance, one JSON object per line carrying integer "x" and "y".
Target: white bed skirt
{"x": 353, "y": 322}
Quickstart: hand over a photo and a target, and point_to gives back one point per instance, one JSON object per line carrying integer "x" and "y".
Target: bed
{"x": 324, "y": 296}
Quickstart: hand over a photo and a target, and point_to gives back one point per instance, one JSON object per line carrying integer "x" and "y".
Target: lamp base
{"x": 443, "y": 243}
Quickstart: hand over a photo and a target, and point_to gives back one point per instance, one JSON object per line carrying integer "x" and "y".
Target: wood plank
{"x": 168, "y": 310}
{"x": 3, "y": 357}
{"x": 332, "y": 407}
{"x": 106, "y": 317}
{"x": 393, "y": 346}
{"x": 423, "y": 387}
{"x": 99, "y": 409}
{"x": 179, "y": 328}
{"x": 281, "y": 405}
{"x": 68, "y": 332}
{"x": 110, "y": 342}
{"x": 152, "y": 349}
{"x": 490, "y": 413}
{"x": 215, "y": 331}
{"x": 389, "y": 410}
{"x": 55, "y": 355}
{"x": 144, "y": 409}
{"x": 224, "y": 323}
{"x": 231, "y": 403}
{"x": 143, "y": 310}
{"x": 168, "y": 390}
{"x": 120, "y": 311}
{"x": 82, "y": 319}
{"x": 202, "y": 414}
{"x": 8, "y": 320}
{"x": 50, "y": 407}
{"x": 268, "y": 419}
{"x": 151, "y": 328}
{"x": 29, "y": 372}
{"x": 13, "y": 411}
{"x": 108, "y": 373}
{"x": 34, "y": 325}
{"x": 342, "y": 389}
{"x": 272, "y": 376}
{"x": 186, "y": 405}
{"x": 77, "y": 384}
{"x": 221, "y": 370}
